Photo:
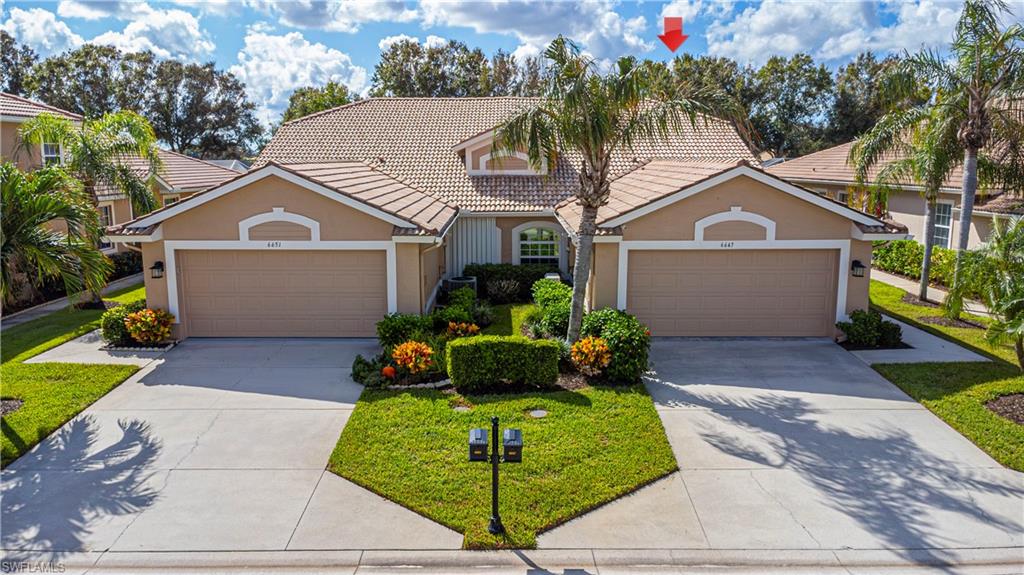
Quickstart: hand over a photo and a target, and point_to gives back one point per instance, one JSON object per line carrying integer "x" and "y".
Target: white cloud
{"x": 41, "y": 30}
{"x": 96, "y": 9}
{"x": 212, "y": 7}
{"x": 388, "y": 41}
{"x": 335, "y": 15}
{"x": 686, "y": 9}
{"x": 273, "y": 66}
{"x": 167, "y": 33}
{"x": 435, "y": 41}
{"x": 525, "y": 51}
{"x": 830, "y": 30}
{"x": 594, "y": 24}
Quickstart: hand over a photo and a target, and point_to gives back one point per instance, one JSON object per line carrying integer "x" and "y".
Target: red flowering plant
{"x": 413, "y": 357}
{"x": 462, "y": 329}
{"x": 591, "y": 355}
{"x": 149, "y": 326}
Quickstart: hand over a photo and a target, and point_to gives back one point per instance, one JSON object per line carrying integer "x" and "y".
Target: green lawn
{"x": 509, "y": 318}
{"x": 957, "y": 392}
{"x": 54, "y": 392}
{"x": 595, "y": 445}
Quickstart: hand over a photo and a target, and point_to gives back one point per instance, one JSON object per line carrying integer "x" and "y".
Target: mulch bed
{"x": 9, "y": 406}
{"x": 103, "y": 304}
{"x": 945, "y": 321}
{"x": 850, "y": 347}
{"x": 1009, "y": 406}
{"x": 914, "y": 300}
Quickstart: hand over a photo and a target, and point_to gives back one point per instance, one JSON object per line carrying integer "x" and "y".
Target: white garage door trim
{"x": 842, "y": 245}
{"x": 171, "y": 246}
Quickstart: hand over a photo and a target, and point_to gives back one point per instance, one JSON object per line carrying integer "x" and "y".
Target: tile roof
{"x": 412, "y": 138}
{"x": 830, "y": 166}
{"x": 18, "y": 107}
{"x": 1002, "y": 204}
{"x": 659, "y": 178}
{"x": 180, "y": 172}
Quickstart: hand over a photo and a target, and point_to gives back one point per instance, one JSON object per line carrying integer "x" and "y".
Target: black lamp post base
{"x": 495, "y": 527}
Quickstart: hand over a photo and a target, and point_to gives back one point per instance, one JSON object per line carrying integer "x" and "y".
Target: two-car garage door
{"x": 267, "y": 293}
{"x": 734, "y": 293}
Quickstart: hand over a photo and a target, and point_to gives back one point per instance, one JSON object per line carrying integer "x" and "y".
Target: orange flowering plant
{"x": 591, "y": 355}
{"x": 413, "y": 356}
{"x": 149, "y": 326}
{"x": 462, "y": 329}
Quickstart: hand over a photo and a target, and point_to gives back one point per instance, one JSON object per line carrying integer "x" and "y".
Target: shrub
{"x": 462, "y": 329}
{"x": 904, "y": 257}
{"x": 369, "y": 372}
{"x": 627, "y": 338}
{"x": 547, "y": 292}
{"x": 463, "y": 298}
{"x": 125, "y": 264}
{"x": 149, "y": 326}
{"x": 554, "y": 319}
{"x": 487, "y": 362}
{"x": 440, "y": 318}
{"x": 591, "y": 355}
{"x": 112, "y": 323}
{"x": 483, "y": 313}
{"x": 525, "y": 274}
{"x": 868, "y": 329}
{"x": 503, "y": 291}
{"x": 399, "y": 327}
{"x": 413, "y": 356}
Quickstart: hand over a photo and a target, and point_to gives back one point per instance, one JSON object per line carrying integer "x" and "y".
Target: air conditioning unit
{"x": 455, "y": 283}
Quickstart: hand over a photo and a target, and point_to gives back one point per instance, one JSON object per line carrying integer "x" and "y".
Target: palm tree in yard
{"x": 974, "y": 101}
{"x": 30, "y": 248}
{"x": 597, "y": 116}
{"x": 1005, "y": 285}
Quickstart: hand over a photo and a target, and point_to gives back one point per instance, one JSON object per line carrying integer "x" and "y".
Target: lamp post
{"x": 513, "y": 453}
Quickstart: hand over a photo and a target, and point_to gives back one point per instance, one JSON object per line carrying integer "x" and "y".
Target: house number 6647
{"x": 726, "y": 244}
{"x": 273, "y": 244}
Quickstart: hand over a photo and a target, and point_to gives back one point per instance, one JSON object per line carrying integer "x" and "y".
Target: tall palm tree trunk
{"x": 970, "y": 188}
{"x": 929, "y": 242}
{"x": 581, "y": 271}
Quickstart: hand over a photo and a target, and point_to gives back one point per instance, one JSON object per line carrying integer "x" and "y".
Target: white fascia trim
{"x": 169, "y": 189}
{"x": 859, "y": 234}
{"x": 757, "y": 175}
{"x": 842, "y": 245}
{"x": 563, "y": 246}
{"x": 259, "y": 174}
{"x": 478, "y": 139}
{"x": 157, "y": 235}
{"x": 170, "y": 260}
{"x": 279, "y": 215}
{"x": 607, "y": 239}
{"x": 416, "y": 239}
{"x": 735, "y": 214}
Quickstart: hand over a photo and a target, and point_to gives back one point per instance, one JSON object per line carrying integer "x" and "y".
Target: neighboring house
{"x": 828, "y": 172}
{"x": 362, "y": 210}
{"x": 14, "y": 111}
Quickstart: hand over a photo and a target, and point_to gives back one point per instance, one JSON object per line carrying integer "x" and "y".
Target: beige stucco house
{"x": 828, "y": 172}
{"x": 363, "y": 210}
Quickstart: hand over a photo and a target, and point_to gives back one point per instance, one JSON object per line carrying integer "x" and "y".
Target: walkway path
{"x": 934, "y": 293}
{"x": 59, "y": 304}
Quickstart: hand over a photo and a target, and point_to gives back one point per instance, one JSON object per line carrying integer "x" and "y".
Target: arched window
{"x": 539, "y": 243}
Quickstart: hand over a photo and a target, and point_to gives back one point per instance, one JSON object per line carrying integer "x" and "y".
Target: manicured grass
{"x": 509, "y": 318}
{"x": 52, "y": 393}
{"x": 957, "y": 392}
{"x": 595, "y": 445}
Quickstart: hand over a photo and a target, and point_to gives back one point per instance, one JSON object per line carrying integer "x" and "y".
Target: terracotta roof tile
{"x": 18, "y": 107}
{"x": 412, "y": 139}
{"x": 1002, "y": 204}
{"x": 181, "y": 172}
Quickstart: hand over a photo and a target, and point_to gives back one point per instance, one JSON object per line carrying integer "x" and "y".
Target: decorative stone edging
{"x": 163, "y": 347}
{"x": 429, "y": 385}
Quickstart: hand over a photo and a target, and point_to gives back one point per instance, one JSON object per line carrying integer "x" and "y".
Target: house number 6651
{"x": 273, "y": 244}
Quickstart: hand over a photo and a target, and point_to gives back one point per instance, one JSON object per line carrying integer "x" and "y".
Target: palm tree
{"x": 1005, "y": 293}
{"x": 31, "y": 247}
{"x": 596, "y": 116}
{"x": 95, "y": 151}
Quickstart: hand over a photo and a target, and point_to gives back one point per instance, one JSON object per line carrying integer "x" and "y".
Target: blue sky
{"x": 276, "y": 46}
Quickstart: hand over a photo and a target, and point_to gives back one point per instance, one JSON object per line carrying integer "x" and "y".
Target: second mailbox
{"x": 513, "y": 444}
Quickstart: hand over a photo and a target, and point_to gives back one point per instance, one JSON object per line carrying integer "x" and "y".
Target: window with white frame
{"x": 943, "y": 224}
{"x": 843, "y": 196}
{"x": 106, "y": 219}
{"x": 540, "y": 246}
{"x": 52, "y": 154}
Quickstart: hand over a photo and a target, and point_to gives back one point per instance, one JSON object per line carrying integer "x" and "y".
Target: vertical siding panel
{"x": 472, "y": 240}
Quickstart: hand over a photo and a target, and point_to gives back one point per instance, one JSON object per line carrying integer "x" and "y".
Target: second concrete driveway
{"x": 221, "y": 445}
{"x": 797, "y": 445}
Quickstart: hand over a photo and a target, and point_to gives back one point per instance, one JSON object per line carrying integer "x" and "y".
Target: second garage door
{"x": 734, "y": 293}
{"x": 253, "y": 293}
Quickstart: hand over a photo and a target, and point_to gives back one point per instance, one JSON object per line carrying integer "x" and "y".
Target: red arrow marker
{"x": 673, "y": 36}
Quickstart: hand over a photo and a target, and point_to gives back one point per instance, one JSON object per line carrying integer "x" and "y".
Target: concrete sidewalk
{"x": 58, "y": 304}
{"x": 924, "y": 348}
{"x": 934, "y": 293}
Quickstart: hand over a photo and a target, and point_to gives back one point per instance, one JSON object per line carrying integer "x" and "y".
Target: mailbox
{"x": 478, "y": 445}
{"x": 513, "y": 444}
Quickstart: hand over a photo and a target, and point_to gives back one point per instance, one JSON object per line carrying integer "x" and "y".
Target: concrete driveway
{"x": 221, "y": 445}
{"x": 798, "y": 445}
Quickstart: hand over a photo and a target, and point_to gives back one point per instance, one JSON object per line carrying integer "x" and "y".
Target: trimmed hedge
{"x": 868, "y": 329}
{"x": 488, "y": 362}
{"x": 555, "y": 301}
{"x": 524, "y": 274}
{"x": 398, "y": 328}
{"x": 112, "y": 325}
{"x": 628, "y": 339}
{"x": 904, "y": 257}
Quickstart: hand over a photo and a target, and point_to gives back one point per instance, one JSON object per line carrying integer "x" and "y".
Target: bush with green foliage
{"x": 868, "y": 329}
{"x": 524, "y": 274}
{"x": 492, "y": 362}
{"x": 904, "y": 257}
{"x": 546, "y": 292}
{"x": 125, "y": 264}
{"x": 399, "y": 327}
{"x": 368, "y": 371}
{"x": 483, "y": 313}
{"x": 555, "y": 301}
{"x": 112, "y": 323}
{"x": 628, "y": 339}
{"x": 503, "y": 291}
{"x": 463, "y": 298}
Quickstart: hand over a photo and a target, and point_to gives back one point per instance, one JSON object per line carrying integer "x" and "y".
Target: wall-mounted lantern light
{"x": 857, "y": 269}
{"x": 156, "y": 271}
